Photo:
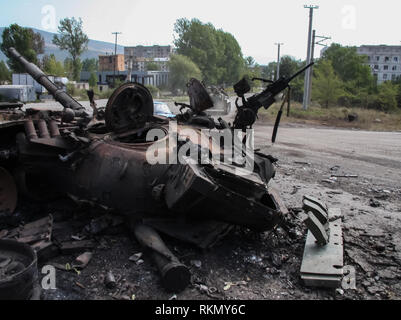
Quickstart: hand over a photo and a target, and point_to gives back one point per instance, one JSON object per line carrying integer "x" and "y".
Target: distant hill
{"x": 95, "y": 48}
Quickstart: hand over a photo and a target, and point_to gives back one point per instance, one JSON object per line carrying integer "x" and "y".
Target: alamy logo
{"x": 202, "y": 147}
{"x": 49, "y": 17}
{"x": 49, "y": 279}
{"x": 349, "y": 17}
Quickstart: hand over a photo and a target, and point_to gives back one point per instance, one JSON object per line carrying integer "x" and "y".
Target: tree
{"x": 74, "y": 40}
{"x": 5, "y": 74}
{"x": 269, "y": 71}
{"x": 93, "y": 80}
{"x": 216, "y": 53}
{"x": 53, "y": 67}
{"x": 327, "y": 87}
{"x": 28, "y": 43}
{"x": 252, "y": 70}
{"x": 152, "y": 66}
{"x": 68, "y": 68}
{"x": 182, "y": 69}
{"x": 289, "y": 66}
{"x": 350, "y": 67}
{"x": 38, "y": 43}
{"x": 231, "y": 62}
{"x": 90, "y": 65}
{"x": 387, "y": 96}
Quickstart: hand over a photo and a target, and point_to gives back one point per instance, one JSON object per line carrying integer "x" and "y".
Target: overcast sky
{"x": 256, "y": 24}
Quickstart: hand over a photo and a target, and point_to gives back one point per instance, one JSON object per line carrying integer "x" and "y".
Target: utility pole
{"x": 314, "y": 43}
{"x": 278, "y": 60}
{"x": 130, "y": 67}
{"x": 115, "y": 58}
{"x": 308, "y": 57}
{"x": 311, "y": 68}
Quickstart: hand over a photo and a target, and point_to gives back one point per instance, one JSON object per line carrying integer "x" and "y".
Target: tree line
{"x": 30, "y": 44}
{"x": 341, "y": 76}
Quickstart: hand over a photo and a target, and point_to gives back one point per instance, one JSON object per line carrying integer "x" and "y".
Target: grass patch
{"x": 180, "y": 99}
{"x": 368, "y": 119}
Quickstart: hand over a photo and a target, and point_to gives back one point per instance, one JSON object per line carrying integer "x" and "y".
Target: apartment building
{"x": 148, "y": 52}
{"x": 384, "y": 61}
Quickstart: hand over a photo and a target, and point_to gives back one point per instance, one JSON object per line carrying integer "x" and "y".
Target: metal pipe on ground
{"x": 175, "y": 276}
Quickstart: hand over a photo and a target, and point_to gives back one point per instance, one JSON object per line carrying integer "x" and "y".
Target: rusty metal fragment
{"x": 175, "y": 275}
{"x": 37, "y": 234}
{"x": 317, "y": 229}
{"x": 322, "y": 263}
{"x": 70, "y": 247}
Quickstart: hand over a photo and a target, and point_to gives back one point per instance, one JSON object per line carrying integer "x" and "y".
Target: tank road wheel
{"x": 18, "y": 271}
{"x": 129, "y": 107}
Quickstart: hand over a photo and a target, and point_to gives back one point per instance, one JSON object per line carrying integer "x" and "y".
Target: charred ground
{"x": 249, "y": 265}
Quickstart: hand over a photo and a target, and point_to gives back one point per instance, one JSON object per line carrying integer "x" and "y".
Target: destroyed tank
{"x": 164, "y": 175}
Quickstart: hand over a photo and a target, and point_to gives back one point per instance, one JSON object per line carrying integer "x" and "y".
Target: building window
{"x": 385, "y": 76}
{"x": 395, "y": 59}
{"x": 377, "y": 58}
{"x": 386, "y": 59}
{"x": 376, "y": 67}
{"x": 393, "y": 77}
{"x": 385, "y": 68}
{"x": 394, "y": 68}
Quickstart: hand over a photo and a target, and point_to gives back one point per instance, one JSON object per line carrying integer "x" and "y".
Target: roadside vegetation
{"x": 336, "y": 116}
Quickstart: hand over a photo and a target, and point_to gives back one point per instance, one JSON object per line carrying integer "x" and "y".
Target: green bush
{"x": 77, "y": 93}
{"x": 153, "y": 90}
{"x": 71, "y": 89}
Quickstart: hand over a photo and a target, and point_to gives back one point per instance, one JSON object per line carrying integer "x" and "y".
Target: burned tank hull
{"x": 117, "y": 175}
{"x": 108, "y": 159}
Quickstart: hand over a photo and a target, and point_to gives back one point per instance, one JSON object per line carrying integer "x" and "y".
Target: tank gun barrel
{"x": 63, "y": 97}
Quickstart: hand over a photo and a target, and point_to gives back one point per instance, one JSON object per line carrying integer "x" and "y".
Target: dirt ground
{"x": 249, "y": 265}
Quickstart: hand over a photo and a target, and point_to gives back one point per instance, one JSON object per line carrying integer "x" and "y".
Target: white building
{"x": 149, "y": 52}
{"x": 26, "y": 79}
{"x": 385, "y": 61}
{"x": 22, "y": 93}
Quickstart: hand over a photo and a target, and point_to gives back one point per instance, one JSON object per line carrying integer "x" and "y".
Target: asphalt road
{"x": 375, "y": 155}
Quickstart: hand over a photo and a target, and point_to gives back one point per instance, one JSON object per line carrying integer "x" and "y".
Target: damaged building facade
{"x": 132, "y": 66}
{"x": 384, "y": 61}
